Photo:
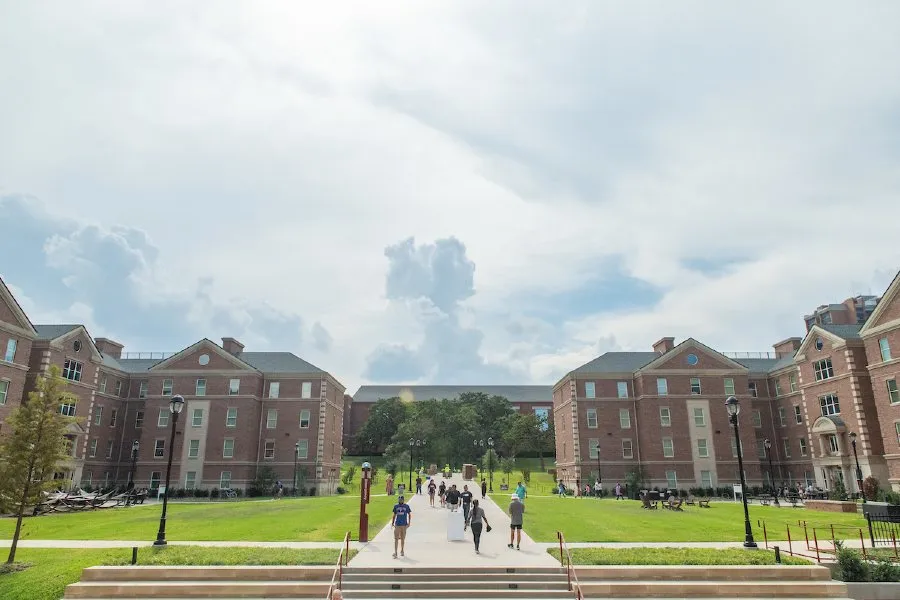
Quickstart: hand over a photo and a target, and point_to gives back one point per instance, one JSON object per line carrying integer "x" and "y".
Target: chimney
{"x": 232, "y": 346}
{"x": 787, "y": 347}
{"x": 109, "y": 347}
{"x": 664, "y": 345}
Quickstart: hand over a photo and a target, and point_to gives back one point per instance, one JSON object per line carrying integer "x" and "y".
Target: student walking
{"x": 432, "y": 488}
{"x": 453, "y": 496}
{"x": 418, "y": 484}
{"x": 516, "y": 511}
{"x": 619, "y": 495}
{"x": 483, "y": 488}
{"x": 474, "y": 520}
{"x": 521, "y": 492}
{"x": 466, "y": 498}
{"x": 400, "y": 521}
{"x": 442, "y": 492}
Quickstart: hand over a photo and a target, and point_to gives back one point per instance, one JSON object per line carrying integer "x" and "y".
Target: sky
{"x": 447, "y": 192}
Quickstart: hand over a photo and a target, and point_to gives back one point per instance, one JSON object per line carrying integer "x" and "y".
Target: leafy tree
{"x": 382, "y": 424}
{"x": 636, "y": 479}
{"x": 265, "y": 481}
{"x": 528, "y": 433}
{"x": 507, "y": 465}
{"x": 33, "y": 448}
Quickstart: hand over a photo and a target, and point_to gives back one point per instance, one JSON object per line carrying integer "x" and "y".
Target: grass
{"x": 324, "y": 519}
{"x": 50, "y": 571}
{"x": 592, "y": 520}
{"x": 675, "y": 556}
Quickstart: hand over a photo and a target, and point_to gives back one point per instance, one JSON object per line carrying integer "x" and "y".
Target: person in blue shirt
{"x": 400, "y": 521}
{"x": 521, "y": 492}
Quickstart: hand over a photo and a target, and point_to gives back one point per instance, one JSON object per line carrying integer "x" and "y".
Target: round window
{"x": 77, "y": 345}
{"x": 692, "y": 359}
{"x": 819, "y": 344}
{"x": 204, "y": 359}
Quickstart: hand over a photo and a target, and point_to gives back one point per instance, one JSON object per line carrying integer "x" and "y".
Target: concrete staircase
{"x": 395, "y": 583}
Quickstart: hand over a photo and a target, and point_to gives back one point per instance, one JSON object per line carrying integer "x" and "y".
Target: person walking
{"x": 483, "y": 488}
{"x": 453, "y": 498}
{"x": 466, "y": 498}
{"x": 598, "y": 488}
{"x": 619, "y": 495}
{"x": 432, "y": 488}
{"x": 400, "y": 522}
{"x": 561, "y": 489}
{"x": 521, "y": 492}
{"x": 442, "y": 492}
{"x": 516, "y": 512}
{"x": 418, "y": 484}
{"x": 476, "y": 519}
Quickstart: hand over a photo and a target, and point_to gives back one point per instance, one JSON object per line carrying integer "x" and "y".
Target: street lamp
{"x": 490, "y": 446}
{"x": 734, "y": 408}
{"x": 859, "y": 477}
{"x": 135, "y": 446}
{"x": 296, "y": 455}
{"x": 176, "y": 405}
{"x": 412, "y": 444}
{"x": 768, "y": 446}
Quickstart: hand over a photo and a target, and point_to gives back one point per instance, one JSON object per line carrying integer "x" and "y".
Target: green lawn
{"x": 52, "y": 570}
{"x": 675, "y": 556}
{"x": 324, "y": 519}
{"x": 607, "y": 520}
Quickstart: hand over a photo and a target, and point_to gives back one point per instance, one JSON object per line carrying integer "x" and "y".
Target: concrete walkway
{"x": 427, "y": 545}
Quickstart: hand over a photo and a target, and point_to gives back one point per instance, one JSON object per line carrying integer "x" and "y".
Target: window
{"x": 159, "y": 449}
{"x": 665, "y": 417}
{"x": 93, "y": 449}
{"x": 729, "y": 386}
{"x": 228, "y": 448}
{"x": 194, "y": 449}
{"x": 830, "y": 405}
{"x": 103, "y": 385}
{"x": 303, "y": 449}
{"x": 190, "y": 480}
{"x": 695, "y": 385}
{"x": 594, "y": 448}
{"x": 119, "y": 388}
{"x": 897, "y": 431}
{"x": 306, "y": 390}
{"x": 668, "y": 447}
{"x": 751, "y": 387}
{"x": 72, "y": 370}
{"x": 163, "y": 420}
{"x": 662, "y": 386}
{"x": 592, "y": 418}
{"x": 807, "y": 476}
{"x": 225, "y": 480}
{"x": 833, "y": 444}
{"x": 234, "y": 387}
{"x": 269, "y": 450}
{"x": 793, "y": 381}
{"x": 67, "y": 409}
{"x": 139, "y": 419}
{"x": 197, "y": 417}
{"x": 699, "y": 417}
{"x": 155, "y": 476}
{"x": 786, "y": 444}
{"x": 98, "y": 415}
{"x": 761, "y": 448}
{"x": 10, "y": 351}
{"x": 142, "y": 391}
{"x": 893, "y": 393}
{"x": 882, "y": 345}
{"x": 167, "y": 387}
{"x": 200, "y": 388}
{"x": 782, "y": 416}
{"x": 706, "y": 479}
{"x": 756, "y": 417}
{"x": 4, "y": 391}
{"x": 274, "y": 388}
{"x": 802, "y": 446}
{"x": 590, "y": 389}
{"x": 777, "y": 386}
{"x": 798, "y": 415}
{"x": 622, "y": 389}
{"x": 702, "y": 448}
{"x": 733, "y": 448}
{"x": 231, "y": 418}
{"x": 304, "y": 419}
{"x": 624, "y": 418}
{"x": 109, "y": 449}
{"x": 672, "y": 480}
{"x": 627, "y": 450}
{"x": 113, "y": 417}
{"x": 824, "y": 369}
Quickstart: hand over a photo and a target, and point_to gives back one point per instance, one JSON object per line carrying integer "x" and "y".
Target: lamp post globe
{"x": 733, "y": 407}
{"x": 176, "y": 405}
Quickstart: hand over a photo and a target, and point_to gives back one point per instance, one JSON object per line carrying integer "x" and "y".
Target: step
{"x": 410, "y": 583}
{"x": 197, "y": 589}
{"x": 501, "y": 570}
{"x": 467, "y": 594}
{"x": 208, "y": 573}
{"x": 706, "y": 589}
{"x": 443, "y": 577}
{"x": 705, "y": 573}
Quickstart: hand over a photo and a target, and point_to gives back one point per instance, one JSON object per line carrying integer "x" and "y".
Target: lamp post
{"x": 734, "y": 408}
{"x": 176, "y": 405}
{"x": 490, "y": 447}
{"x": 135, "y": 446}
{"x": 296, "y": 456}
{"x": 768, "y": 446}
{"x": 859, "y": 477}
{"x": 412, "y": 444}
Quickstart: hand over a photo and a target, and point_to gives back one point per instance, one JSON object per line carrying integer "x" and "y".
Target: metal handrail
{"x": 565, "y": 558}
{"x": 342, "y": 561}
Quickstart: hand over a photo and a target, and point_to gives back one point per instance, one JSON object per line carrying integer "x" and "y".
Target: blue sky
{"x": 447, "y": 192}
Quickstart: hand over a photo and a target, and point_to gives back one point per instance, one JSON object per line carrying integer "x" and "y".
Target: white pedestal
{"x": 456, "y": 526}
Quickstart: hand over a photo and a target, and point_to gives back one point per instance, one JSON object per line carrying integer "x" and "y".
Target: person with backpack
{"x": 453, "y": 497}
{"x": 442, "y": 492}
{"x": 432, "y": 488}
{"x": 476, "y": 519}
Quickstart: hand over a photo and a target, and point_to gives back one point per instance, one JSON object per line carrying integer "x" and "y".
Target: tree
{"x": 382, "y": 424}
{"x": 507, "y": 465}
{"x": 33, "y": 448}
{"x": 636, "y": 479}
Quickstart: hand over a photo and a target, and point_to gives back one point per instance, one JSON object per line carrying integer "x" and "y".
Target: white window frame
{"x": 593, "y": 448}
{"x": 157, "y": 477}
{"x": 193, "y": 448}
{"x": 306, "y": 390}
{"x": 803, "y": 450}
{"x": 98, "y": 415}
{"x": 729, "y": 386}
{"x": 830, "y": 405}
{"x": 897, "y": 430}
{"x": 225, "y": 482}
{"x": 668, "y": 447}
{"x": 662, "y": 386}
{"x": 303, "y": 449}
{"x": 163, "y": 419}
{"x": 665, "y": 416}
{"x": 113, "y": 417}
{"x": 622, "y": 389}
{"x": 734, "y": 446}
{"x": 267, "y": 446}
{"x": 699, "y": 412}
{"x": 119, "y": 388}
{"x": 706, "y": 481}
{"x": 702, "y": 447}
{"x": 624, "y": 418}
{"x": 753, "y": 389}
{"x": 672, "y": 479}
{"x": 10, "y": 355}
{"x": 72, "y": 369}
{"x": 786, "y": 446}
{"x": 695, "y": 382}
{"x": 228, "y": 448}
{"x": 782, "y": 416}
{"x": 168, "y": 386}
{"x": 103, "y": 382}
{"x": 833, "y": 445}
{"x": 756, "y": 418}
{"x": 272, "y": 418}
{"x": 824, "y": 369}
{"x": 885, "y": 348}
{"x": 110, "y": 446}
{"x": 67, "y": 409}
{"x": 190, "y": 480}
{"x": 143, "y": 387}
{"x": 234, "y": 387}
{"x": 893, "y": 392}
{"x": 4, "y": 391}
{"x": 139, "y": 419}
{"x": 274, "y": 389}
{"x": 92, "y": 451}
{"x": 200, "y": 390}
{"x": 591, "y": 416}
{"x": 159, "y": 448}
{"x": 308, "y": 418}
{"x": 792, "y": 378}
{"x": 231, "y": 415}
{"x": 798, "y": 414}
{"x": 196, "y": 417}
{"x": 590, "y": 389}
{"x": 627, "y": 448}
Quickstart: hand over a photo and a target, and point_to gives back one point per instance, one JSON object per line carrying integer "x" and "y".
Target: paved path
{"x": 427, "y": 545}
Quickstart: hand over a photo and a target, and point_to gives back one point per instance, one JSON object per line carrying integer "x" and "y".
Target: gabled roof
{"x": 278, "y": 362}
{"x": 847, "y": 332}
{"x": 513, "y": 393}
{"x": 135, "y": 365}
{"x": 53, "y": 332}
{"x": 890, "y": 294}
{"x": 839, "y": 334}
{"x": 238, "y": 363}
{"x": 617, "y": 362}
{"x": 691, "y": 342}
{"x": 16, "y": 308}
{"x": 759, "y": 365}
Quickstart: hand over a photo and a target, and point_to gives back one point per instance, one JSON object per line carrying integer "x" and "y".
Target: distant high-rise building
{"x": 852, "y": 311}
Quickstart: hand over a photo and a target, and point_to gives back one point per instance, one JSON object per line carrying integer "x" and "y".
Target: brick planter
{"x": 873, "y": 591}
{"x": 832, "y": 506}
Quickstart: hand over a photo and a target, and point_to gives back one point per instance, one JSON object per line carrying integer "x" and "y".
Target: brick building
{"x": 243, "y": 410}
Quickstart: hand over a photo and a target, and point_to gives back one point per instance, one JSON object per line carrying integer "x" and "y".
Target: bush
{"x": 214, "y": 493}
{"x": 552, "y": 473}
{"x": 892, "y": 497}
{"x": 526, "y": 475}
{"x": 871, "y": 488}
{"x": 838, "y": 491}
{"x": 884, "y": 570}
{"x": 341, "y": 490}
{"x": 851, "y": 566}
{"x": 349, "y": 474}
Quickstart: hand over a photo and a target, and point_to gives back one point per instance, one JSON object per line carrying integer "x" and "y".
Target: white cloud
{"x": 275, "y": 150}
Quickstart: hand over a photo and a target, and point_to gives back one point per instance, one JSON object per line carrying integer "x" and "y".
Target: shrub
{"x": 871, "y": 488}
{"x": 180, "y": 493}
{"x": 526, "y": 475}
{"x": 214, "y": 493}
{"x": 838, "y": 491}
{"x": 341, "y": 490}
{"x": 851, "y": 566}
{"x": 892, "y": 497}
{"x": 349, "y": 474}
{"x": 552, "y": 473}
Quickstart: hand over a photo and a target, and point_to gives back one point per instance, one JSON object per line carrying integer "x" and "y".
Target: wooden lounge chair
{"x": 703, "y": 502}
